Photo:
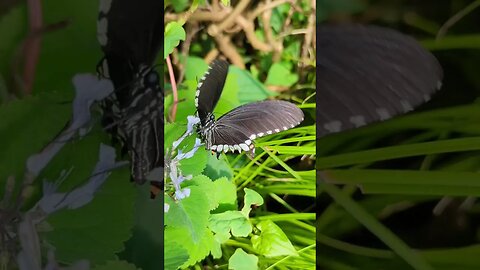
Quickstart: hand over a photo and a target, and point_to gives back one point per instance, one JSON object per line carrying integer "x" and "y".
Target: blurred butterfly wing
{"x": 248, "y": 122}
{"x": 210, "y": 88}
{"x": 367, "y": 74}
{"x": 130, "y": 34}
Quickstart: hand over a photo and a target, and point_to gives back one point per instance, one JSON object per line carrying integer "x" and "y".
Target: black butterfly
{"x": 130, "y": 36}
{"x": 237, "y": 129}
{"x": 369, "y": 73}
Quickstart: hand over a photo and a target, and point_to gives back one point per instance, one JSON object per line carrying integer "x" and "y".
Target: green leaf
{"x": 206, "y": 186}
{"x": 147, "y": 239}
{"x": 217, "y": 168}
{"x": 191, "y": 212}
{"x": 280, "y": 75}
{"x": 230, "y": 221}
{"x": 196, "y": 250}
{"x": 240, "y": 260}
{"x": 226, "y": 3}
{"x": 201, "y": 250}
{"x": 100, "y": 228}
{"x": 195, "y": 67}
{"x": 174, "y": 32}
{"x": 226, "y": 194}
{"x": 179, "y": 5}
{"x": 116, "y": 265}
{"x": 251, "y": 198}
{"x": 12, "y": 30}
{"x": 219, "y": 239}
{"x": 172, "y": 131}
{"x": 250, "y": 89}
{"x": 327, "y": 7}
{"x": 272, "y": 241}
{"x": 196, "y": 164}
{"x": 175, "y": 254}
{"x": 20, "y": 120}
{"x": 68, "y": 50}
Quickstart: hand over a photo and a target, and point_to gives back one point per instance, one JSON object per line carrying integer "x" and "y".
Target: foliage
{"x": 405, "y": 182}
{"x": 238, "y": 211}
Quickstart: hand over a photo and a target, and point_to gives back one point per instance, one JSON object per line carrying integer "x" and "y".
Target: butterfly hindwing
{"x": 367, "y": 74}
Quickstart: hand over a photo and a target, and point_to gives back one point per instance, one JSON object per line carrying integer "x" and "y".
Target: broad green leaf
{"x": 207, "y": 186}
{"x": 28, "y": 125}
{"x": 217, "y": 168}
{"x": 179, "y": 5}
{"x": 191, "y": 212}
{"x": 249, "y": 88}
{"x": 240, "y": 260}
{"x": 201, "y": 250}
{"x": 196, "y": 164}
{"x": 328, "y": 7}
{"x": 116, "y": 265}
{"x": 147, "y": 239}
{"x": 272, "y": 241}
{"x": 174, "y": 32}
{"x": 175, "y": 254}
{"x": 218, "y": 240}
{"x": 280, "y": 75}
{"x": 226, "y": 194}
{"x": 13, "y": 26}
{"x": 100, "y": 228}
{"x": 230, "y": 221}
{"x": 71, "y": 49}
{"x": 196, "y": 250}
{"x": 251, "y": 198}
{"x": 195, "y": 68}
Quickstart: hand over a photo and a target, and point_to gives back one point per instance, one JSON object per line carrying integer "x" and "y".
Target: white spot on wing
{"x": 277, "y": 130}
{"x": 220, "y": 148}
{"x": 244, "y": 147}
{"x": 248, "y": 142}
{"x": 102, "y": 26}
{"x": 252, "y": 137}
{"x": 260, "y": 134}
{"x": 383, "y": 113}
{"x": 333, "y": 126}
{"x": 358, "y": 120}
{"x": 214, "y": 147}
{"x": 406, "y": 105}
{"x": 105, "y": 6}
{"x": 225, "y": 148}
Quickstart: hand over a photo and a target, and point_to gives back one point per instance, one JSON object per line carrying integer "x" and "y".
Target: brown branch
{"x": 269, "y": 6}
{"x": 249, "y": 29}
{"x": 230, "y": 20}
{"x": 228, "y": 49}
{"x": 31, "y": 48}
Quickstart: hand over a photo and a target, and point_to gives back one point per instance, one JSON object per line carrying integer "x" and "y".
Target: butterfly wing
{"x": 236, "y": 129}
{"x": 130, "y": 35}
{"x": 369, "y": 73}
{"x": 210, "y": 88}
